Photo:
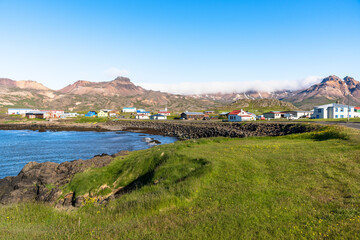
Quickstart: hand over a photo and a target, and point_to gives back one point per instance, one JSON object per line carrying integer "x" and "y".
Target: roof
{"x": 129, "y": 108}
{"x": 333, "y": 105}
{"x": 237, "y": 113}
{"x": 157, "y": 115}
{"x": 193, "y": 113}
{"x": 357, "y": 108}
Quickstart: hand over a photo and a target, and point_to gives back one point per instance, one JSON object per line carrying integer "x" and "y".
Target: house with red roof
{"x": 165, "y": 113}
{"x": 239, "y": 116}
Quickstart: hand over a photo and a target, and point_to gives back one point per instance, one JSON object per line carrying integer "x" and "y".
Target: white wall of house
{"x": 272, "y": 115}
{"x": 19, "y": 111}
{"x": 334, "y": 110}
{"x": 239, "y": 118}
{"x": 142, "y": 117}
{"x": 130, "y": 110}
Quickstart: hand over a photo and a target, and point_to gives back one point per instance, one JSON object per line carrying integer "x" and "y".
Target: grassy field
{"x": 304, "y": 186}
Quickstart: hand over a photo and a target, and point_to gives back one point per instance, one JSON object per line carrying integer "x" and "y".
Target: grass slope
{"x": 300, "y": 186}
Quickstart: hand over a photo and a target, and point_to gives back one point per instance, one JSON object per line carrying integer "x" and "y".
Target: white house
{"x": 333, "y": 110}
{"x": 158, "y": 117}
{"x": 298, "y": 114}
{"x": 239, "y": 116}
{"x": 69, "y": 115}
{"x": 129, "y": 109}
{"x": 142, "y": 116}
{"x": 274, "y": 114}
{"x": 20, "y": 111}
{"x": 165, "y": 113}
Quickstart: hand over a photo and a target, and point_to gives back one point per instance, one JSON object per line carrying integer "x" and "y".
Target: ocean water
{"x": 18, "y": 147}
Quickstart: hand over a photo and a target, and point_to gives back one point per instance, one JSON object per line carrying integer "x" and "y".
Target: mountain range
{"x": 330, "y": 89}
{"x": 120, "y": 92}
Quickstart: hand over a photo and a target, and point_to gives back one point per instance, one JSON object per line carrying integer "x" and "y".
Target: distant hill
{"x": 330, "y": 89}
{"x": 25, "y": 84}
{"x": 85, "y": 95}
{"x": 259, "y": 106}
{"x": 119, "y": 86}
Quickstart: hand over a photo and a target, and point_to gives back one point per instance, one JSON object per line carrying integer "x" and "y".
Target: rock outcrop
{"x": 43, "y": 181}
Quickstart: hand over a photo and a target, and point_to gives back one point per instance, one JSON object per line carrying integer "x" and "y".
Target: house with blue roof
{"x": 158, "y": 117}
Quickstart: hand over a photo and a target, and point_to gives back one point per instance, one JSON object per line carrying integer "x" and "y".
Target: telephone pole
{"x": 348, "y": 107}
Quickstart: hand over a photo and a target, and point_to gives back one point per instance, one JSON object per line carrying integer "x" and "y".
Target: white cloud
{"x": 230, "y": 87}
{"x": 114, "y": 72}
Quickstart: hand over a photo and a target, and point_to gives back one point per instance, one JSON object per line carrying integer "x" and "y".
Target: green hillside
{"x": 303, "y": 186}
{"x": 259, "y": 106}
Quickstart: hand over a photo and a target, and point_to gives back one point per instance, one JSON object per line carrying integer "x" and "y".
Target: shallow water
{"x": 18, "y": 147}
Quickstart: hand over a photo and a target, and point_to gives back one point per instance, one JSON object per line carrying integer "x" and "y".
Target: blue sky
{"x": 180, "y": 45}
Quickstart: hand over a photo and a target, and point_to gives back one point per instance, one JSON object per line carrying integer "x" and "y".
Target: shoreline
{"x": 16, "y": 188}
{"x": 180, "y": 129}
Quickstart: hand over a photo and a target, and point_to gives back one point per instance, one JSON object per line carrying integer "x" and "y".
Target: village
{"x": 328, "y": 111}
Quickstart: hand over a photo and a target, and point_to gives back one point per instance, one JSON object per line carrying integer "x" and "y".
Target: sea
{"x": 18, "y": 147}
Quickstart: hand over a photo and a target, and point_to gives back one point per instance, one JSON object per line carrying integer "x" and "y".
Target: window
{"x": 336, "y": 109}
{"x": 319, "y": 110}
{"x": 349, "y": 109}
{"x": 341, "y": 109}
{"x": 336, "y": 116}
{"x": 341, "y": 116}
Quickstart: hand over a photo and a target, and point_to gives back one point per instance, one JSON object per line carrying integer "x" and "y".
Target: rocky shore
{"x": 43, "y": 181}
{"x": 48, "y": 126}
{"x": 202, "y": 129}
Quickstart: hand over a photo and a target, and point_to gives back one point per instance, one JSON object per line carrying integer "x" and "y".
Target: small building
{"x": 297, "y": 114}
{"x": 103, "y": 113}
{"x": 274, "y": 114}
{"x": 193, "y": 115}
{"x": 240, "y": 116}
{"x": 129, "y": 109}
{"x": 223, "y": 115}
{"x": 69, "y": 115}
{"x": 20, "y": 111}
{"x": 55, "y": 113}
{"x": 142, "y": 116}
{"x": 37, "y": 114}
{"x": 209, "y": 112}
{"x": 333, "y": 110}
{"x": 165, "y": 113}
{"x": 91, "y": 114}
{"x": 113, "y": 114}
{"x": 144, "y": 112}
{"x": 158, "y": 117}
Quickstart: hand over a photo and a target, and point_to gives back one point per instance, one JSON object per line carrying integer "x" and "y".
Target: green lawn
{"x": 304, "y": 186}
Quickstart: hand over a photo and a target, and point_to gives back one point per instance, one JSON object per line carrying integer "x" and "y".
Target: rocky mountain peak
{"x": 333, "y": 79}
{"x": 351, "y": 82}
{"x": 122, "y": 79}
